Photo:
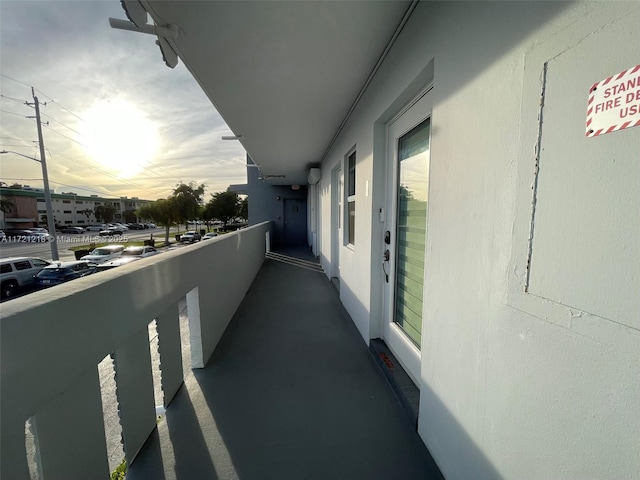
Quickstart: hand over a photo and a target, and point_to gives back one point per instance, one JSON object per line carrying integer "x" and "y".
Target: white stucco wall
{"x": 514, "y": 385}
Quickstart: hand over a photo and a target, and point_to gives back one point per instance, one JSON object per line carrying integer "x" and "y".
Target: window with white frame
{"x": 350, "y": 195}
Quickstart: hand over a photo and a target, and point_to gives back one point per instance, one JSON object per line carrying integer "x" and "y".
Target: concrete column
{"x": 70, "y": 432}
{"x": 134, "y": 381}
{"x": 169, "y": 346}
{"x": 195, "y": 328}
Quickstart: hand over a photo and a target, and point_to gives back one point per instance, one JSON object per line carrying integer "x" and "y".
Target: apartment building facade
{"x": 69, "y": 209}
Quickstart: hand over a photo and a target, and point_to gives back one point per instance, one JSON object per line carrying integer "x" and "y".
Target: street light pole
{"x": 47, "y": 196}
{"x": 45, "y": 177}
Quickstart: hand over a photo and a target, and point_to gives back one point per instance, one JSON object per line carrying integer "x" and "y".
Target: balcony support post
{"x": 70, "y": 431}
{"x": 195, "y": 328}
{"x": 134, "y": 381}
{"x": 169, "y": 346}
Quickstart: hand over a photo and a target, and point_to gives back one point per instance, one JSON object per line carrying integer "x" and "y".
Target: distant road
{"x": 43, "y": 250}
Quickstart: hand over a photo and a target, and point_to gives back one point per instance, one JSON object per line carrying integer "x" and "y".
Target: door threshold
{"x": 403, "y": 387}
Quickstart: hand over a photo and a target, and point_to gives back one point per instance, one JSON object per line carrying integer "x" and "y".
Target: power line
{"x": 18, "y": 81}
{"x": 55, "y": 102}
{"x": 24, "y": 179}
{"x": 81, "y": 144}
{"x": 16, "y": 138}
{"x": 14, "y": 113}
{"x": 85, "y": 189}
{"x": 100, "y": 171}
{"x": 24, "y": 102}
{"x": 68, "y": 138}
{"x": 104, "y": 172}
{"x": 144, "y": 173}
{"x": 59, "y": 122}
{"x": 49, "y": 97}
{"x": 75, "y": 187}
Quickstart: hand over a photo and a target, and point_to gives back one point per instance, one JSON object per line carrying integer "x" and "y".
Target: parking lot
{"x": 42, "y": 250}
{"x": 67, "y": 241}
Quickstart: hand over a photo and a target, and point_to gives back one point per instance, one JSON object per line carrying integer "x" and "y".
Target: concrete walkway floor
{"x": 291, "y": 392}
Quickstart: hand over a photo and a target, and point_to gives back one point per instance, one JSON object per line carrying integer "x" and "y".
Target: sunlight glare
{"x": 120, "y": 136}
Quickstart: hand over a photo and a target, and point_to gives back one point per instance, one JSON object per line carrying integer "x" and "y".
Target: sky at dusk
{"x": 121, "y": 123}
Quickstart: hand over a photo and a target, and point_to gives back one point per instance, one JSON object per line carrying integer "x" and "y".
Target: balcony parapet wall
{"x": 52, "y": 341}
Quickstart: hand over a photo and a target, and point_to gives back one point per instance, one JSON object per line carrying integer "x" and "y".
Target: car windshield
{"x": 102, "y": 251}
{"x": 132, "y": 251}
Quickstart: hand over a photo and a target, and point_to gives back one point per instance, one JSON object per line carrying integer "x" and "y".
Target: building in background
{"x": 29, "y": 208}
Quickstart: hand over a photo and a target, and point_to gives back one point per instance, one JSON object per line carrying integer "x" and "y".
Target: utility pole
{"x": 45, "y": 177}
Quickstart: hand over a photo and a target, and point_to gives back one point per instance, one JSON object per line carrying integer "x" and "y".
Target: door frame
{"x": 337, "y": 218}
{"x": 404, "y": 349}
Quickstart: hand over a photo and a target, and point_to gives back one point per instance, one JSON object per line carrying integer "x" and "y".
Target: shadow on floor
{"x": 291, "y": 392}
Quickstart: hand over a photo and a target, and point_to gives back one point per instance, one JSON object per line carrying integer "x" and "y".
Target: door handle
{"x": 385, "y": 258}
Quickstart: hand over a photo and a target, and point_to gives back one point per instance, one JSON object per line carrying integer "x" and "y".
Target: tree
{"x": 223, "y": 206}
{"x": 6, "y": 205}
{"x": 105, "y": 213}
{"x": 188, "y": 200}
{"x": 243, "y": 210}
{"x": 129, "y": 216}
{"x": 162, "y": 211}
{"x": 87, "y": 212}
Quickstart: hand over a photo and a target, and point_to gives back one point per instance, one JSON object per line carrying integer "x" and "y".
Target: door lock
{"x": 385, "y": 255}
{"x": 387, "y": 237}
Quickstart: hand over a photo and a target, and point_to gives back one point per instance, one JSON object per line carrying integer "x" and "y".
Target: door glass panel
{"x": 413, "y": 181}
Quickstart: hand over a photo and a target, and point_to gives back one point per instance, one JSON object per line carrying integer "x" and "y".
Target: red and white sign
{"x": 614, "y": 103}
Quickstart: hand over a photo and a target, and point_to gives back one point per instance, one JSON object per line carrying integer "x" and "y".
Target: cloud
{"x": 74, "y": 59}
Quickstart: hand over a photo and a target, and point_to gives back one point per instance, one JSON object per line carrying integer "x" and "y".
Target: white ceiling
{"x": 282, "y": 74}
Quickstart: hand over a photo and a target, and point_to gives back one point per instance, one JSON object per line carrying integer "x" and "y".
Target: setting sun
{"x": 120, "y": 136}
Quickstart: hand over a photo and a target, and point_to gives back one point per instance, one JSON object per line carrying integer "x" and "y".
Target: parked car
{"x": 96, "y": 228}
{"x": 141, "y": 252}
{"x": 190, "y": 237}
{"x": 111, "y": 231}
{"x": 60, "y": 272}
{"x": 18, "y": 272}
{"x": 210, "y": 235}
{"x": 118, "y": 262}
{"x": 72, "y": 230}
{"x": 39, "y": 230}
{"x": 104, "y": 254}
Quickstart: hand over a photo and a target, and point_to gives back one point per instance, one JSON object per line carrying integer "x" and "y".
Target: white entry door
{"x": 409, "y": 139}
